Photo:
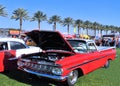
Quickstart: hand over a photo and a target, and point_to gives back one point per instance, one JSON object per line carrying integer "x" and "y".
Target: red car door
{"x": 5, "y": 63}
{"x": 1, "y": 61}
{"x": 9, "y": 64}
{"x": 95, "y": 60}
{"x": 95, "y": 57}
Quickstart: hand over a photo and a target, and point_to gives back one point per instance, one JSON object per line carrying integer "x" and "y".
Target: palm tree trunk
{"x": 54, "y": 27}
{"x": 20, "y": 26}
{"x": 101, "y": 32}
{"x": 87, "y": 31}
{"x": 95, "y": 32}
{"x": 39, "y": 25}
{"x": 106, "y": 32}
{"x": 78, "y": 30}
{"x": 83, "y": 30}
{"x": 68, "y": 29}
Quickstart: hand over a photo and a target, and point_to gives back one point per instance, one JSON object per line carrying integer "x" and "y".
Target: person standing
{"x": 119, "y": 42}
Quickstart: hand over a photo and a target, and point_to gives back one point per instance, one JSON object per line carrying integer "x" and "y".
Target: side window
{"x": 3, "y": 46}
{"x": 92, "y": 47}
{"x": 17, "y": 45}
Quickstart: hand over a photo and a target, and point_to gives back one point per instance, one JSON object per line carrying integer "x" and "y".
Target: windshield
{"x": 78, "y": 46}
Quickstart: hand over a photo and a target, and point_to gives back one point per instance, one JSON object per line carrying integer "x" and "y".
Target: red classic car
{"x": 64, "y": 60}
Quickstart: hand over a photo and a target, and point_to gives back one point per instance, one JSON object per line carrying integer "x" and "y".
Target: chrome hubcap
{"x": 73, "y": 77}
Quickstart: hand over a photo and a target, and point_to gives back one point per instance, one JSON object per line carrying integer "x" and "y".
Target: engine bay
{"x": 47, "y": 56}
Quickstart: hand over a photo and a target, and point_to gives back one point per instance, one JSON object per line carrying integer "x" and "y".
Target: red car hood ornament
{"x": 49, "y": 40}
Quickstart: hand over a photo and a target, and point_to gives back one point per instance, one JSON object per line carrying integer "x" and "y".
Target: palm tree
{"x": 67, "y": 22}
{"x": 101, "y": 28}
{"x": 87, "y": 25}
{"x": 106, "y": 28}
{"x": 95, "y": 27}
{"x": 39, "y": 17}
{"x": 112, "y": 28}
{"x": 118, "y": 29}
{"x": 3, "y": 14}
{"x": 54, "y": 19}
{"x": 20, "y": 14}
{"x": 78, "y": 23}
{"x": 2, "y": 11}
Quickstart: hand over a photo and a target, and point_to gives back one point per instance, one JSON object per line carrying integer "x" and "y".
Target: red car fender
{"x": 69, "y": 64}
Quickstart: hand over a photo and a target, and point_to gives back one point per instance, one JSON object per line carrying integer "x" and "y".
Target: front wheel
{"x": 107, "y": 64}
{"x": 72, "y": 78}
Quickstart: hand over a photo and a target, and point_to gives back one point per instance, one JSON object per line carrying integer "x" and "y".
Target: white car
{"x": 18, "y": 45}
{"x": 11, "y": 49}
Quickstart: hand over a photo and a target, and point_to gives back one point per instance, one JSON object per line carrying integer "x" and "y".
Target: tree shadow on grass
{"x": 29, "y": 79}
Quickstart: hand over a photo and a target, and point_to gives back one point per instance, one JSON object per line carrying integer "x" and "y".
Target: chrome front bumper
{"x": 55, "y": 77}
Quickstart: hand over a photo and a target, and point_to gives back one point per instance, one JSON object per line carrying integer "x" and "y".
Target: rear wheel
{"x": 72, "y": 78}
{"x": 107, "y": 64}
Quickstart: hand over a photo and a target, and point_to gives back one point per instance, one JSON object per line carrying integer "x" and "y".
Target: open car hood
{"x": 50, "y": 40}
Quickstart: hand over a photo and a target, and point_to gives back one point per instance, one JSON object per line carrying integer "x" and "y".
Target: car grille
{"x": 38, "y": 67}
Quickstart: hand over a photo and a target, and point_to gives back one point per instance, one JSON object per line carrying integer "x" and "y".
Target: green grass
{"x": 100, "y": 77}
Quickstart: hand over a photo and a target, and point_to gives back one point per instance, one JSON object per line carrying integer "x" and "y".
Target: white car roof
{"x": 12, "y": 39}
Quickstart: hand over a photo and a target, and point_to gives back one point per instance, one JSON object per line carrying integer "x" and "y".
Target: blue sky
{"x": 106, "y": 12}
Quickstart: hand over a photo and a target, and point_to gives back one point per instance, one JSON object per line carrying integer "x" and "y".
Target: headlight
{"x": 57, "y": 71}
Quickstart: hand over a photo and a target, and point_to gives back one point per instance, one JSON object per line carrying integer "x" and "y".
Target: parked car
{"x": 110, "y": 40}
{"x": 11, "y": 49}
{"x": 64, "y": 59}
